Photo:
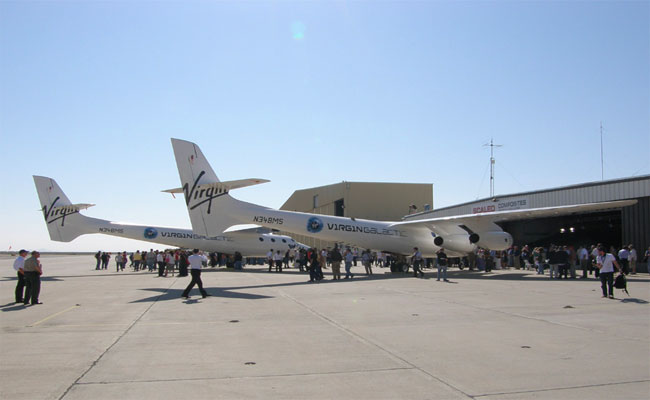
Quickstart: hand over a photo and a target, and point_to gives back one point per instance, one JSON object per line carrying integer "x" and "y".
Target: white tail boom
{"x": 65, "y": 223}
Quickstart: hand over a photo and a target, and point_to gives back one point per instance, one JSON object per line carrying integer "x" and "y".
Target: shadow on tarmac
{"x": 175, "y": 294}
{"x": 43, "y": 279}
{"x": 634, "y": 300}
{"x": 12, "y": 307}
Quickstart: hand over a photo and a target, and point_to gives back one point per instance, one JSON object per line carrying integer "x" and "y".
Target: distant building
{"x": 364, "y": 200}
{"x": 630, "y": 225}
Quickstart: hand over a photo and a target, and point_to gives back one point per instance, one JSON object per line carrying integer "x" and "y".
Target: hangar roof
{"x": 614, "y": 189}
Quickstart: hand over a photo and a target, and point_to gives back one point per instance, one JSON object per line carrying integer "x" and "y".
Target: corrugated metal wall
{"x": 636, "y": 225}
{"x": 623, "y": 189}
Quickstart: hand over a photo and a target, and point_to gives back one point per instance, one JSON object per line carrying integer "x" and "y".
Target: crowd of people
{"x": 562, "y": 262}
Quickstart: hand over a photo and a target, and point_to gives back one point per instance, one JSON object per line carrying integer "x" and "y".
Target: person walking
{"x": 442, "y": 264}
{"x": 606, "y": 263}
{"x": 196, "y": 261}
{"x": 33, "y": 271}
{"x": 19, "y": 267}
{"x": 417, "y": 263}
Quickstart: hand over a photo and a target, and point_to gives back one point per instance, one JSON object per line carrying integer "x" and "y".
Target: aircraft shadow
{"x": 175, "y": 294}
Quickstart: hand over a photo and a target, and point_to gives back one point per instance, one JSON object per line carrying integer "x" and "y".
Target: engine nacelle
{"x": 497, "y": 240}
{"x": 455, "y": 243}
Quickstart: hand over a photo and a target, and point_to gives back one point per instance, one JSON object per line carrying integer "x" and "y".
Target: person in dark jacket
{"x": 563, "y": 258}
{"x": 182, "y": 264}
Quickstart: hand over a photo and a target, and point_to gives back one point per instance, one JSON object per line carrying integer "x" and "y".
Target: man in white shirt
{"x": 277, "y": 260}
{"x": 19, "y": 265}
{"x": 606, "y": 263}
{"x": 196, "y": 261}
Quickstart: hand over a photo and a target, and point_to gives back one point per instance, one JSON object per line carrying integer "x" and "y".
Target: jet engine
{"x": 496, "y": 240}
{"x": 455, "y": 243}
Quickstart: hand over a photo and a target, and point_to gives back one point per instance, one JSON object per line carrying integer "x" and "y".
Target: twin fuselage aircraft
{"x": 213, "y": 212}
{"x": 222, "y": 223}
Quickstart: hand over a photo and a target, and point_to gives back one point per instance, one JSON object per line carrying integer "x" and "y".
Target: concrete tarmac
{"x": 503, "y": 335}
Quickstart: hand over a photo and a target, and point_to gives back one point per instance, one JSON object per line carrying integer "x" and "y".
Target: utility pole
{"x": 492, "y": 146}
{"x": 602, "y": 160}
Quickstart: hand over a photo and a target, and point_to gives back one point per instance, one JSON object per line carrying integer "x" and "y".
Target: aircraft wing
{"x": 486, "y": 221}
{"x": 242, "y": 227}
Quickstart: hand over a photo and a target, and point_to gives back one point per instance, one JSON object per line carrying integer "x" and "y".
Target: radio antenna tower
{"x": 492, "y": 146}
{"x": 602, "y": 159}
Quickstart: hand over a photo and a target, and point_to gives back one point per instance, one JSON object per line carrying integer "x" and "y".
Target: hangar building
{"x": 630, "y": 225}
{"x": 365, "y": 200}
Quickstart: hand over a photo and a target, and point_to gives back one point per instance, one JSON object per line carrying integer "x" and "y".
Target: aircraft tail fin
{"x": 212, "y": 210}
{"x": 62, "y": 218}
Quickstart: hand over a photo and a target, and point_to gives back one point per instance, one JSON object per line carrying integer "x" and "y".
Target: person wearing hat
{"x": 33, "y": 271}
{"x": 19, "y": 265}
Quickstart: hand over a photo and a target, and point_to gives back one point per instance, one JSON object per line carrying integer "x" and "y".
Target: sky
{"x": 312, "y": 93}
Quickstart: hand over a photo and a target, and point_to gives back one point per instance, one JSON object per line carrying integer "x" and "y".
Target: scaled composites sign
{"x": 518, "y": 203}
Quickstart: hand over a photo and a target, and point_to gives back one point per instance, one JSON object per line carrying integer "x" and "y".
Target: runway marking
{"x": 52, "y": 316}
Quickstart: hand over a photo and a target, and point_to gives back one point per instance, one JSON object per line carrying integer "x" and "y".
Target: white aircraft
{"x": 213, "y": 211}
{"x": 65, "y": 223}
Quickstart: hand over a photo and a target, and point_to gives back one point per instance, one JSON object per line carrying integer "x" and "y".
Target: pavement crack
{"x": 76, "y": 382}
{"x": 559, "y": 388}
{"x": 368, "y": 342}
{"x": 224, "y": 378}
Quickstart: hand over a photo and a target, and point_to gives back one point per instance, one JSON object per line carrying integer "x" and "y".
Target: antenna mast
{"x": 492, "y": 146}
{"x": 602, "y": 163}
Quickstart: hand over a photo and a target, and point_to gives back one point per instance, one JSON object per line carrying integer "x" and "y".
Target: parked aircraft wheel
{"x": 404, "y": 267}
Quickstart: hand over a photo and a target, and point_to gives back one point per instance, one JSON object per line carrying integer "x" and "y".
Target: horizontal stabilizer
{"x": 71, "y": 208}
{"x": 242, "y": 227}
{"x": 224, "y": 186}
